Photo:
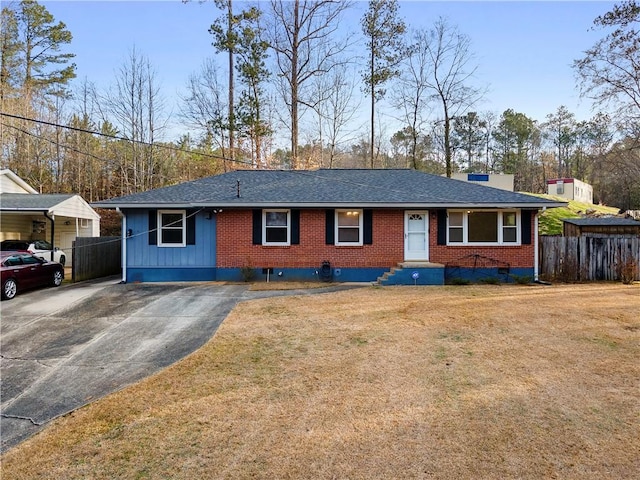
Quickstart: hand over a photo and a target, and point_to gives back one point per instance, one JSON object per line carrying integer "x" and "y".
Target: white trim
{"x": 183, "y": 228}
{"x": 360, "y": 213}
{"x": 18, "y": 181}
{"x": 264, "y": 227}
{"x": 536, "y": 272}
{"x": 332, "y": 205}
{"x": 465, "y": 228}
{"x": 123, "y": 253}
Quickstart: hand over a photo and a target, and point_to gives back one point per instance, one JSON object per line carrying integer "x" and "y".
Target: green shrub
{"x": 248, "y": 272}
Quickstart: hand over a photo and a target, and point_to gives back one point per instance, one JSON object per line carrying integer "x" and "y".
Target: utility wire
{"x": 118, "y": 137}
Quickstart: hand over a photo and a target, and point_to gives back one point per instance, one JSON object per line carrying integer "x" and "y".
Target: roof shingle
{"x": 327, "y": 187}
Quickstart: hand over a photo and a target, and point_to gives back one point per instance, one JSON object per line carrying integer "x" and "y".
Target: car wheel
{"x": 9, "y": 289}
{"x": 57, "y": 278}
{"x": 63, "y": 259}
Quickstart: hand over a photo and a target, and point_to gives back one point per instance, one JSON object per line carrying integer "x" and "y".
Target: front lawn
{"x": 477, "y": 382}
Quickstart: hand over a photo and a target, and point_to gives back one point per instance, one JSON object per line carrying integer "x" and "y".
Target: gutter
{"x": 536, "y": 253}
{"x": 380, "y": 205}
{"x": 123, "y": 253}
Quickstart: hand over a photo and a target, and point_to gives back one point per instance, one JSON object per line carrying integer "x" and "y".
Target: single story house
{"x": 600, "y": 227}
{"x": 26, "y": 214}
{"x": 402, "y": 226}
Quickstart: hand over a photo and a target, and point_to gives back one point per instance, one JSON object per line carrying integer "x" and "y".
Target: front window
{"x": 277, "y": 225}
{"x": 348, "y": 227}
{"x": 509, "y": 227}
{"x": 172, "y": 230}
{"x": 483, "y": 227}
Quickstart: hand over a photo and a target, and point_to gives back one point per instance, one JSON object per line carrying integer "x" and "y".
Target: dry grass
{"x": 402, "y": 382}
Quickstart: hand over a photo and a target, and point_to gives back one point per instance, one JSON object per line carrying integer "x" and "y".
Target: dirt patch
{"x": 403, "y": 382}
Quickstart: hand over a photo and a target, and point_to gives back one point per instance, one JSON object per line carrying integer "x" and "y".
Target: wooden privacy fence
{"x": 95, "y": 257}
{"x": 573, "y": 259}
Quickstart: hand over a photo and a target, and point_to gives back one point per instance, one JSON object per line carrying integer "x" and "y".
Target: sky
{"x": 524, "y": 50}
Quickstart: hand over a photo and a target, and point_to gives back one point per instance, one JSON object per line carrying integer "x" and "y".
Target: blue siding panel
{"x": 489, "y": 274}
{"x": 192, "y": 262}
{"x": 303, "y": 274}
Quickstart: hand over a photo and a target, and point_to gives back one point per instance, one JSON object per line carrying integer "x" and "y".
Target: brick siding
{"x": 235, "y": 248}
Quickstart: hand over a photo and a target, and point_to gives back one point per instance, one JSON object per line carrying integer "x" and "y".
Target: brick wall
{"x": 235, "y": 248}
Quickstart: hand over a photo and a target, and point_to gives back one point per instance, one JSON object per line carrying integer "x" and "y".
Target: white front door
{"x": 416, "y": 235}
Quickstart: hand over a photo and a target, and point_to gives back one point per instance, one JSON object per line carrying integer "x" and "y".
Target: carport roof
{"x": 331, "y": 188}
{"x": 27, "y": 203}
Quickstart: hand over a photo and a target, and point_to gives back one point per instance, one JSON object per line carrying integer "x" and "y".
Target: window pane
{"x": 509, "y": 219}
{"x": 483, "y": 226}
{"x": 349, "y": 235}
{"x": 29, "y": 260}
{"x": 455, "y": 235}
{"x": 348, "y": 219}
{"x": 276, "y": 235}
{"x": 455, "y": 219}
{"x": 509, "y": 234}
{"x": 172, "y": 236}
{"x": 172, "y": 220}
{"x": 276, "y": 219}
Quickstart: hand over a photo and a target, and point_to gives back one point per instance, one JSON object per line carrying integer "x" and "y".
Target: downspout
{"x": 536, "y": 253}
{"x": 53, "y": 224}
{"x": 123, "y": 252}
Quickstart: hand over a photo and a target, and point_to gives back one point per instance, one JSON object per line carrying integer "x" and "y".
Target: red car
{"x": 22, "y": 270}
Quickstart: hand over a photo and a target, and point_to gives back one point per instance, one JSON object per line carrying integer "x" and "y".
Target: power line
{"x": 118, "y": 137}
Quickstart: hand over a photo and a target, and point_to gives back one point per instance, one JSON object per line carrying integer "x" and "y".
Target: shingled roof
{"x": 603, "y": 222}
{"x": 328, "y": 188}
{"x": 28, "y": 203}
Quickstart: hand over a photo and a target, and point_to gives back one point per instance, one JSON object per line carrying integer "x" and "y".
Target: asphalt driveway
{"x": 63, "y": 348}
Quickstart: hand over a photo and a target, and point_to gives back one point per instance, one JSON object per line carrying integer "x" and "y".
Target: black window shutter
{"x": 153, "y": 227}
{"x": 191, "y": 227}
{"x": 367, "y": 225}
{"x": 295, "y": 227}
{"x": 442, "y": 227}
{"x": 330, "y": 227}
{"x": 257, "y": 227}
{"x": 525, "y": 217}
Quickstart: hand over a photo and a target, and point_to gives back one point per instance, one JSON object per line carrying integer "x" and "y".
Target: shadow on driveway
{"x": 64, "y": 348}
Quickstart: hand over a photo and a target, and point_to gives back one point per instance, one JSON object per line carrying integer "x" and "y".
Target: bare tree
{"x": 412, "y": 98}
{"x": 302, "y": 33}
{"x": 609, "y": 72}
{"x": 452, "y": 71}
{"x": 204, "y": 105}
{"x": 136, "y": 107}
{"x": 335, "y": 110}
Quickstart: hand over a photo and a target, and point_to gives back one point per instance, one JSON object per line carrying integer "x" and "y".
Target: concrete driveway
{"x": 63, "y": 348}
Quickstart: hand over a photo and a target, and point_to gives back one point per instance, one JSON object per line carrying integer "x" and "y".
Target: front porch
{"x": 414, "y": 273}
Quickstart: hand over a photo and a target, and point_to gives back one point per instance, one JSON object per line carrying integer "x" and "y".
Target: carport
{"x": 57, "y": 218}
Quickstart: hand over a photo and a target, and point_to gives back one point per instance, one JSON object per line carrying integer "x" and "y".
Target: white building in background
{"x": 571, "y": 189}
{"x": 503, "y": 181}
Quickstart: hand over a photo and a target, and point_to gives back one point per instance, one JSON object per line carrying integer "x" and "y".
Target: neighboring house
{"x": 600, "y": 227}
{"x": 571, "y": 189}
{"x": 58, "y": 218}
{"x": 503, "y": 181}
{"x": 286, "y": 224}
